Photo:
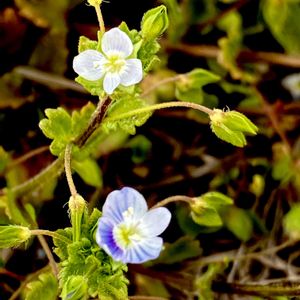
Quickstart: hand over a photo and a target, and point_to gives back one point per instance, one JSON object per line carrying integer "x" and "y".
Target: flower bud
{"x": 13, "y": 235}
{"x": 94, "y": 2}
{"x": 78, "y": 209}
{"x": 75, "y": 289}
{"x": 231, "y": 126}
{"x": 155, "y": 21}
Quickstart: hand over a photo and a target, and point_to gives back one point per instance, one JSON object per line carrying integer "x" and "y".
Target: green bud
{"x": 75, "y": 289}
{"x": 231, "y": 126}
{"x": 205, "y": 209}
{"x": 155, "y": 21}
{"x": 94, "y": 2}
{"x": 78, "y": 209}
{"x": 13, "y": 235}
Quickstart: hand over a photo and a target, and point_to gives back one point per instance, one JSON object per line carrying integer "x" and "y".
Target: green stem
{"x": 161, "y": 106}
{"x": 100, "y": 18}
{"x": 176, "y": 198}
{"x": 52, "y": 234}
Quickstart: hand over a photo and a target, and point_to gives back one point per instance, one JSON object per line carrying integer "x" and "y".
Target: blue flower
{"x": 127, "y": 230}
{"x": 114, "y": 64}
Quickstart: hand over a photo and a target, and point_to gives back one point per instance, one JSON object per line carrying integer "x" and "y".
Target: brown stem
{"x": 48, "y": 252}
{"x": 215, "y": 19}
{"x": 285, "y": 288}
{"x": 209, "y": 51}
{"x": 96, "y": 120}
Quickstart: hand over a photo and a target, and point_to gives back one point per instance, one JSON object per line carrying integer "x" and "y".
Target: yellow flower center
{"x": 114, "y": 63}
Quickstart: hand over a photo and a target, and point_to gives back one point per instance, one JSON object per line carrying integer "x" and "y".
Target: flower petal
{"x": 105, "y": 239}
{"x": 89, "y": 64}
{"x": 115, "y": 40}
{"x": 147, "y": 249}
{"x": 155, "y": 221}
{"x": 118, "y": 202}
{"x": 132, "y": 73}
{"x": 110, "y": 82}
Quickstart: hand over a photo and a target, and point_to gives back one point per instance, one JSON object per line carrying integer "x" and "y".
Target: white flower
{"x": 112, "y": 64}
{"x": 292, "y": 84}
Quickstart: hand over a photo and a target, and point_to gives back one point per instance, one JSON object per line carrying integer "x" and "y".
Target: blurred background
{"x": 254, "y": 46}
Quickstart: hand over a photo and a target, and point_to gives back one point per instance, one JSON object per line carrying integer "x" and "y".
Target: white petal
{"x": 155, "y": 221}
{"x": 115, "y": 40}
{"x": 147, "y": 249}
{"x": 89, "y": 64}
{"x": 110, "y": 82}
{"x": 119, "y": 201}
{"x": 132, "y": 73}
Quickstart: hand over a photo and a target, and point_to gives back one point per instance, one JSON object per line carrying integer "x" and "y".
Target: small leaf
{"x": 282, "y": 17}
{"x": 58, "y": 127}
{"x": 189, "y": 86}
{"x": 208, "y": 217}
{"x": 46, "y": 288}
{"x": 291, "y": 222}
{"x": 89, "y": 171}
{"x": 75, "y": 288}
{"x": 125, "y": 106}
{"x": 184, "y": 248}
{"x": 239, "y": 223}
{"x": 230, "y": 46}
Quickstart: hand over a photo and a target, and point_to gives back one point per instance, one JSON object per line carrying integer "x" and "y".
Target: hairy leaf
{"x": 125, "y": 106}
{"x": 45, "y": 287}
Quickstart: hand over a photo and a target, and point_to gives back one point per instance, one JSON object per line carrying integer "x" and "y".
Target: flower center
{"x": 115, "y": 63}
{"x": 128, "y": 232}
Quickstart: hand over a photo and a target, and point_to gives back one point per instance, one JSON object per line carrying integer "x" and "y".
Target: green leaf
{"x": 13, "y": 235}
{"x": 184, "y": 248}
{"x": 46, "y": 288}
{"x": 89, "y": 171}
{"x": 207, "y": 217}
{"x": 230, "y": 46}
{"x": 291, "y": 222}
{"x": 239, "y": 223}
{"x": 124, "y": 107}
{"x": 75, "y": 289}
{"x": 84, "y": 259}
{"x": 189, "y": 86}
{"x": 177, "y": 19}
{"x": 203, "y": 283}
{"x": 57, "y": 127}
{"x": 4, "y": 159}
{"x": 282, "y": 18}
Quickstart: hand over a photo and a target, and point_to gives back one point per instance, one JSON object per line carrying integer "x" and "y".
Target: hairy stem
{"x": 176, "y": 198}
{"x": 100, "y": 18}
{"x": 52, "y": 234}
{"x": 161, "y": 106}
{"x": 68, "y": 170}
{"x": 95, "y": 121}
